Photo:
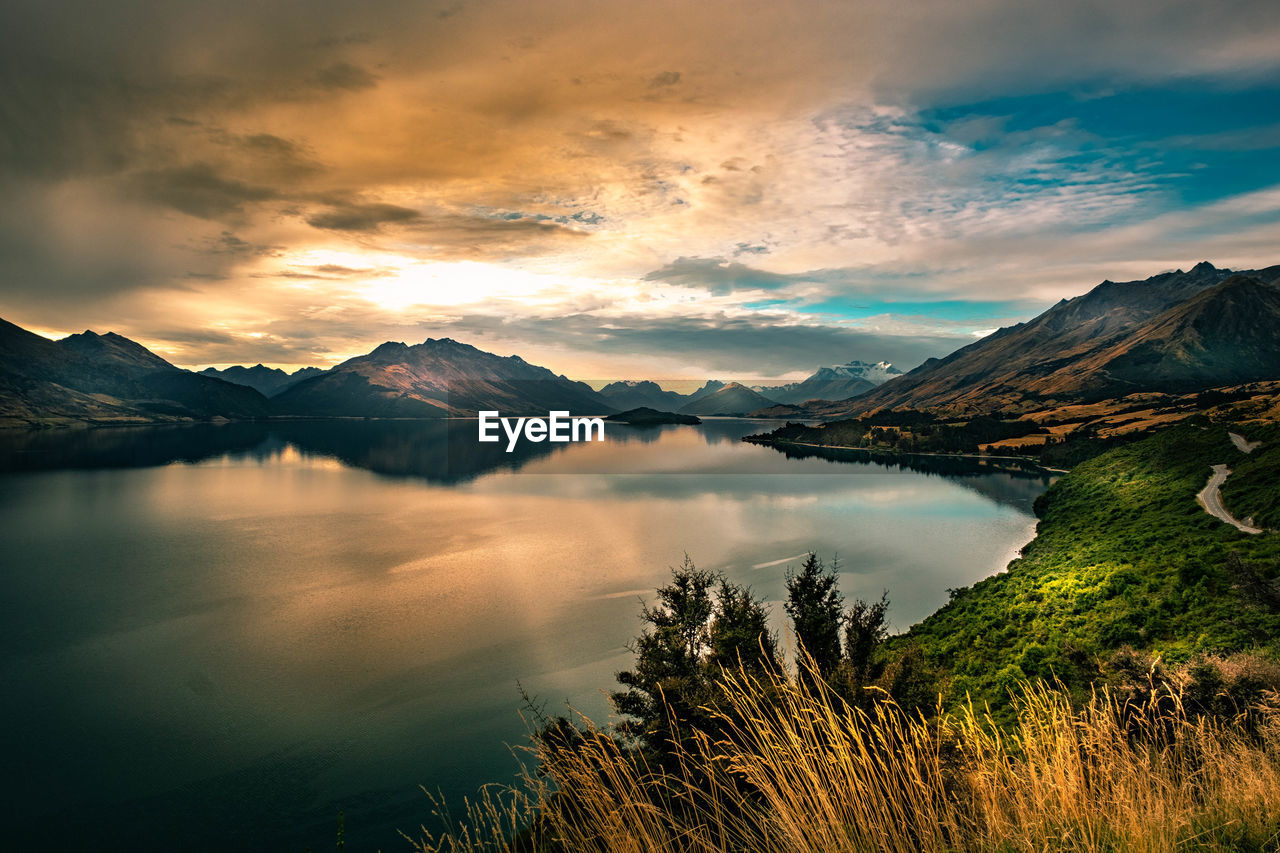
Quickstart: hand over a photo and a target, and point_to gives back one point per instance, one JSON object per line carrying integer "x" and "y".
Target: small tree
{"x": 816, "y": 608}
{"x": 864, "y": 632}
{"x": 740, "y": 634}
{"x": 692, "y": 634}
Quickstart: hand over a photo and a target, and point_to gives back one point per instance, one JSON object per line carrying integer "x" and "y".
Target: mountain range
{"x": 643, "y": 394}
{"x": 839, "y": 382}
{"x": 1174, "y": 332}
{"x": 832, "y": 383}
{"x": 267, "y": 381}
{"x": 436, "y": 378}
{"x": 107, "y": 378}
{"x": 110, "y": 379}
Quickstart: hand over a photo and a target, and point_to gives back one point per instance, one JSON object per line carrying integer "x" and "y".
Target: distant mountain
{"x": 267, "y": 381}
{"x": 436, "y": 378}
{"x": 1177, "y": 331}
{"x": 732, "y": 399}
{"x": 106, "y": 378}
{"x": 631, "y": 394}
{"x": 877, "y": 374}
{"x": 710, "y": 387}
{"x": 645, "y": 416}
{"x": 833, "y": 383}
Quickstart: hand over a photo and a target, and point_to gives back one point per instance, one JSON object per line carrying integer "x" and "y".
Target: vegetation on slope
{"x": 1123, "y": 557}
{"x": 907, "y": 431}
{"x": 1253, "y": 489}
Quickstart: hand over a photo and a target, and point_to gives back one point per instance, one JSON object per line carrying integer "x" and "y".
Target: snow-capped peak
{"x": 880, "y": 371}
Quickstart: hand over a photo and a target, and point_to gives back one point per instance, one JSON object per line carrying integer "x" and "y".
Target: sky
{"x": 619, "y": 189}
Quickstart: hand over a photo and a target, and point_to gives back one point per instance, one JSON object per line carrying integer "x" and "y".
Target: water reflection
{"x": 126, "y": 446}
{"x": 447, "y": 452}
{"x": 1010, "y": 481}
{"x": 217, "y": 637}
{"x": 437, "y": 451}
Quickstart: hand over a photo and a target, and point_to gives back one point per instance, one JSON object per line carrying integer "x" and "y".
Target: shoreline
{"x": 978, "y": 456}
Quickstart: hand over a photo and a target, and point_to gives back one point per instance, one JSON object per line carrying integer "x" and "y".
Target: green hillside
{"x": 1253, "y": 489}
{"x": 1124, "y": 557}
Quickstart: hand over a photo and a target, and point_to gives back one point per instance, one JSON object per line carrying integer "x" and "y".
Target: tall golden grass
{"x": 794, "y": 768}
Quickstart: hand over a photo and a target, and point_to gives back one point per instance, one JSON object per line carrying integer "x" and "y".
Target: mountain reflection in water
{"x": 445, "y": 452}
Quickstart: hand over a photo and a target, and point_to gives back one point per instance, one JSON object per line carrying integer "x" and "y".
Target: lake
{"x": 218, "y": 637}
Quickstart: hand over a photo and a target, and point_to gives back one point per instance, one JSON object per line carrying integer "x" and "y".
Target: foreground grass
{"x": 793, "y": 768}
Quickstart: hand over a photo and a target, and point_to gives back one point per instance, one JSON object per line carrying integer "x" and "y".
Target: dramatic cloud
{"x": 294, "y": 182}
{"x": 361, "y": 217}
{"x": 198, "y": 190}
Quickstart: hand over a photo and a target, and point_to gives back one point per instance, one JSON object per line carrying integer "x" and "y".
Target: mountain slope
{"x": 91, "y": 377}
{"x": 708, "y": 388}
{"x": 733, "y": 399}
{"x": 114, "y": 353}
{"x": 1227, "y": 334}
{"x": 1066, "y": 353}
{"x": 839, "y": 382}
{"x": 437, "y": 378}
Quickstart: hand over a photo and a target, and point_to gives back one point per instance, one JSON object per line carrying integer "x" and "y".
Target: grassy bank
{"x": 1124, "y": 557}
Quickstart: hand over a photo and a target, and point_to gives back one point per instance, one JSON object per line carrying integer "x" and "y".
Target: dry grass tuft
{"x": 794, "y": 768}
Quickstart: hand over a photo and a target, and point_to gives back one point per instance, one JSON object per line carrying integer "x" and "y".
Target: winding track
{"x": 1210, "y": 497}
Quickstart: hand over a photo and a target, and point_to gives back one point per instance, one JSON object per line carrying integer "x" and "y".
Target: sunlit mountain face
{"x": 619, "y": 190}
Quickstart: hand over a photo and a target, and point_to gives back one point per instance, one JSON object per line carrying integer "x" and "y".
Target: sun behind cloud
{"x": 300, "y": 182}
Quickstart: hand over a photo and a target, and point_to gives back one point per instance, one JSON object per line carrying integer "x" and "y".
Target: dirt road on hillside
{"x": 1210, "y": 497}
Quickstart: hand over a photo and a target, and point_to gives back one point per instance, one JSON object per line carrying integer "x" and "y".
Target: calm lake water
{"x": 218, "y": 637}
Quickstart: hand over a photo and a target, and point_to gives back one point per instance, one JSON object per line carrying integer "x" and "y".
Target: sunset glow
{"x": 291, "y": 185}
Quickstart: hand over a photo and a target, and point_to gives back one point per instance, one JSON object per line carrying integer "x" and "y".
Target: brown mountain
{"x": 90, "y": 377}
{"x": 733, "y": 399}
{"x": 630, "y": 394}
{"x": 436, "y": 378}
{"x": 1176, "y": 331}
{"x": 1225, "y": 335}
{"x": 267, "y": 381}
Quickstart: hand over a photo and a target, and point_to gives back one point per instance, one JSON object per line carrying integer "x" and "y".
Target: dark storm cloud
{"x": 362, "y": 217}
{"x": 447, "y": 234}
{"x": 89, "y": 88}
{"x": 196, "y": 336}
{"x": 198, "y": 190}
{"x": 278, "y": 158}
